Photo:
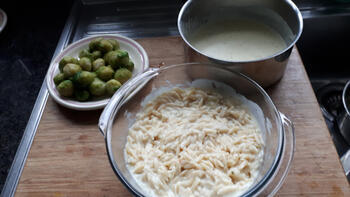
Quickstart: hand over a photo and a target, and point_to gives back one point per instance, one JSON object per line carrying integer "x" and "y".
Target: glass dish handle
{"x": 287, "y": 156}
{"x": 122, "y": 95}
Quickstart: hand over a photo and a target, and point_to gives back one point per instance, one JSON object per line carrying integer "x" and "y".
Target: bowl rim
{"x": 90, "y": 105}
{"x": 253, "y": 189}
{"x": 344, "y": 96}
{"x": 4, "y": 20}
{"x": 288, "y": 47}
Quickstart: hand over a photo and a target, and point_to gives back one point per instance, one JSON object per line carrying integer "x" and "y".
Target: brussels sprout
{"x": 104, "y": 46}
{"x": 109, "y": 66}
{"x": 86, "y": 53}
{"x": 112, "y": 86}
{"x": 66, "y": 88}
{"x": 122, "y": 53}
{"x": 96, "y": 54}
{"x": 122, "y": 75}
{"x": 107, "y": 56}
{"x": 114, "y": 43}
{"x": 69, "y": 70}
{"x": 97, "y": 87}
{"x": 105, "y": 73}
{"x": 97, "y": 64}
{"x": 111, "y": 58}
{"x": 82, "y": 95}
{"x": 129, "y": 65}
{"x": 123, "y": 58}
{"x": 83, "y": 78}
{"x": 94, "y": 43}
{"x": 85, "y": 63}
{"x": 117, "y": 58}
{"x": 58, "y": 78}
{"x": 65, "y": 60}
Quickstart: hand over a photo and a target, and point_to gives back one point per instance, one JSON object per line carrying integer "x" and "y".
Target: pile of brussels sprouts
{"x": 99, "y": 72}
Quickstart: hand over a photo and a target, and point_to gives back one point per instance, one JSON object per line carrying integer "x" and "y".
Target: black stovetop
{"x": 26, "y": 48}
{"x": 329, "y": 96}
{"x": 323, "y": 47}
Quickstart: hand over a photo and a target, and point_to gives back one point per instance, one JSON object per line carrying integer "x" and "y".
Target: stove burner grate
{"x": 330, "y": 100}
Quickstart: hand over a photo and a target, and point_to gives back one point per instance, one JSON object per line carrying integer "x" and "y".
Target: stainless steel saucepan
{"x": 344, "y": 118}
{"x": 280, "y": 15}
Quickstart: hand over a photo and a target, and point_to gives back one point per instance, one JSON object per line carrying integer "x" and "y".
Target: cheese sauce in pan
{"x": 237, "y": 40}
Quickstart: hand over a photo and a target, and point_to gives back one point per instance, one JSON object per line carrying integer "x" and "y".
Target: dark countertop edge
{"x": 16, "y": 169}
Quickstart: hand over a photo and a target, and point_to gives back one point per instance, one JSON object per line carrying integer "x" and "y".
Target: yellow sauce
{"x": 237, "y": 40}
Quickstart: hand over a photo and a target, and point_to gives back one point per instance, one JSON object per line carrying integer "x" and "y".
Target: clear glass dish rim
{"x": 257, "y": 187}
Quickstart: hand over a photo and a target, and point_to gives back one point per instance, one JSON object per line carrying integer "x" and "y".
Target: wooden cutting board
{"x": 68, "y": 155}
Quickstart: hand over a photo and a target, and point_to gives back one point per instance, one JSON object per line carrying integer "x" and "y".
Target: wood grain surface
{"x": 68, "y": 155}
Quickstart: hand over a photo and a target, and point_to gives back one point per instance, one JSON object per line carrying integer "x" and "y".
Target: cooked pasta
{"x": 193, "y": 142}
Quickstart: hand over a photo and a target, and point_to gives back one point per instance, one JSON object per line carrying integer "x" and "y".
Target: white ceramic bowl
{"x": 137, "y": 54}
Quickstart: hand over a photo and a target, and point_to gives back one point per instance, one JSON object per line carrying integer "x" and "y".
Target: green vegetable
{"x": 85, "y": 63}
{"x": 117, "y": 58}
{"x": 112, "y": 86}
{"x": 114, "y": 43}
{"x": 111, "y": 58}
{"x": 66, "y": 88}
{"x": 70, "y": 70}
{"x": 65, "y": 60}
{"x": 86, "y": 53}
{"x": 122, "y": 75}
{"x": 94, "y": 43}
{"x": 83, "y": 79}
{"x": 104, "y": 46}
{"x": 130, "y": 65}
{"x": 123, "y": 58}
{"x": 97, "y": 64}
{"x": 96, "y": 54}
{"x": 105, "y": 73}
{"x": 82, "y": 95}
{"x": 58, "y": 78}
{"x": 97, "y": 87}
{"x": 109, "y": 66}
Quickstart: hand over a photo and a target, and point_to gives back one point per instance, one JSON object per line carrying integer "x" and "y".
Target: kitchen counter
{"x": 68, "y": 155}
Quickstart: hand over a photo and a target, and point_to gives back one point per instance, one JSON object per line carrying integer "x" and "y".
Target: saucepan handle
{"x": 122, "y": 95}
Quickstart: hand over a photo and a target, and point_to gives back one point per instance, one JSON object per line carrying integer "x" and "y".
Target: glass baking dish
{"x": 277, "y": 129}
